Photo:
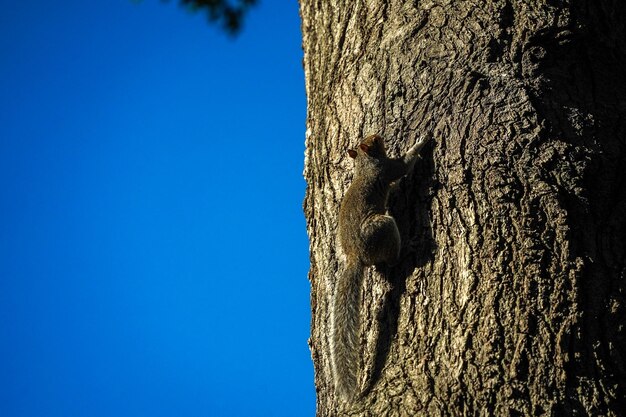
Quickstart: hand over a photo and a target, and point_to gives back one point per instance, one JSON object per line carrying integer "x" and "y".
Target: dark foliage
{"x": 229, "y": 14}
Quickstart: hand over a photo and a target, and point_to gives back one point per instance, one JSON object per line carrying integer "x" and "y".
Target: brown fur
{"x": 368, "y": 236}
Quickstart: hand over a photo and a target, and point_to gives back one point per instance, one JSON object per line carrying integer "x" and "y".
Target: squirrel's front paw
{"x": 421, "y": 141}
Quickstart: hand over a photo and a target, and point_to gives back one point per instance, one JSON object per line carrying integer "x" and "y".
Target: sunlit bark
{"x": 509, "y": 300}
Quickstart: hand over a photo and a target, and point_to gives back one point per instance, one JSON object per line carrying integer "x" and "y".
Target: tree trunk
{"x": 510, "y": 297}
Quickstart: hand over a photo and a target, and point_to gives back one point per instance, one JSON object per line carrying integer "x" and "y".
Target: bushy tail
{"x": 345, "y": 329}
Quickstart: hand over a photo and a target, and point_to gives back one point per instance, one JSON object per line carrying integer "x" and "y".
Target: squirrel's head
{"x": 373, "y": 146}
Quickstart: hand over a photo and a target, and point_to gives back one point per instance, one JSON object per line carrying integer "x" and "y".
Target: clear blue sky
{"x": 153, "y": 253}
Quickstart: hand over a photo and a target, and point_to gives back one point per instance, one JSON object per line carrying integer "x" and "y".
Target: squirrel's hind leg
{"x": 381, "y": 239}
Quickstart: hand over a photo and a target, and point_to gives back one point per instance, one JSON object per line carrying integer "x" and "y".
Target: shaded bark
{"x": 509, "y": 300}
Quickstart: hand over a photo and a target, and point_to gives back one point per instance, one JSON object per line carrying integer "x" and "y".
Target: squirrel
{"x": 368, "y": 236}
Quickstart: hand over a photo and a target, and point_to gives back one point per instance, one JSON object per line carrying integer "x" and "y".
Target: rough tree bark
{"x": 510, "y": 299}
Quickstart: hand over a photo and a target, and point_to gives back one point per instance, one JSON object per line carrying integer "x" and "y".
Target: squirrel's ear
{"x": 364, "y": 148}
{"x": 352, "y": 153}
